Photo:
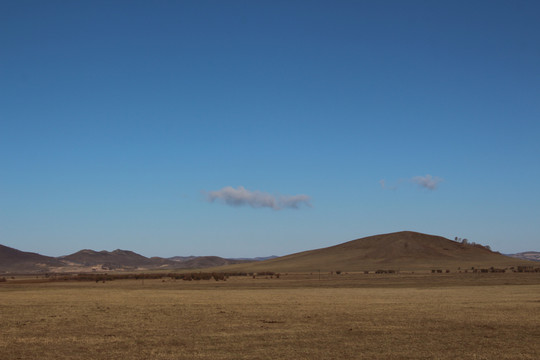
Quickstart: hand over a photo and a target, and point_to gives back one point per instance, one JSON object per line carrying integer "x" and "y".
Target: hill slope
{"x": 404, "y": 250}
{"x": 14, "y": 260}
{"x": 116, "y": 259}
{"x": 201, "y": 262}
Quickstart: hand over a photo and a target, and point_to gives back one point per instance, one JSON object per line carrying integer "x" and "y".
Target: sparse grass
{"x": 350, "y": 316}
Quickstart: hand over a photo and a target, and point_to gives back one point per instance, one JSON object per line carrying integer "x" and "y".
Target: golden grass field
{"x": 298, "y": 316}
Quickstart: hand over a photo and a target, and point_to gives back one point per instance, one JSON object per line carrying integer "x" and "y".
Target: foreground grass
{"x": 257, "y": 319}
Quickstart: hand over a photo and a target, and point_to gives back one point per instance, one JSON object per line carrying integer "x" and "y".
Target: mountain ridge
{"x": 87, "y": 260}
{"x": 527, "y": 255}
{"x": 399, "y": 250}
{"x": 12, "y": 259}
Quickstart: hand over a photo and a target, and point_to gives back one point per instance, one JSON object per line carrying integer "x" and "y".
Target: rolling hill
{"x": 129, "y": 260}
{"x": 14, "y": 260}
{"x": 202, "y": 262}
{"x": 404, "y": 250}
{"x": 117, "y": 259}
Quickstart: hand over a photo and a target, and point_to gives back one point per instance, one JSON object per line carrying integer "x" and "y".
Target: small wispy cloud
{"x": 257, "y": 199}
{"x": 294, "y": 201}
{"x": 428, "y": 182}
{"x": 384, "y": 184}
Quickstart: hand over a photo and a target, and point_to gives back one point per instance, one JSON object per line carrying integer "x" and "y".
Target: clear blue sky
{"x": 164, "y": 127}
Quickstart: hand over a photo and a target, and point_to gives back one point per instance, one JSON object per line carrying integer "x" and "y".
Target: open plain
{"x": 295, "y": 316}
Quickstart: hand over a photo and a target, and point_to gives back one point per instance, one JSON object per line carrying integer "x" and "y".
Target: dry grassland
{"x": 294, "y": 317}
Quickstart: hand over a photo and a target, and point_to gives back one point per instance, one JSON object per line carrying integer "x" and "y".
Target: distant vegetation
{"x": 471, "y": 243}
{"x": 190, "y": 276}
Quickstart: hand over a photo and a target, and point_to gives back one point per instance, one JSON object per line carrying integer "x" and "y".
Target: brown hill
{"x": 13, "y": 260}
{"x": 404, "y": 250}
{"x": 117, "y": 259}
{"x": 202, "y": 262}
{"x": 16, "y": 261}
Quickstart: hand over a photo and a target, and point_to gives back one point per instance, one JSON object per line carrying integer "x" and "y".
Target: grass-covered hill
{"x": 404, "y": 250}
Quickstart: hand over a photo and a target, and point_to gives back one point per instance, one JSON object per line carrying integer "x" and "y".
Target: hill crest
{"x": 87, "y": 260}
{"x": 16, "y": 260}
{"x": 404, "y": 250}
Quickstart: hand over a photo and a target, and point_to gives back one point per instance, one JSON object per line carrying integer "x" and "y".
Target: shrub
{"x": 218, "y": 276}
{"x": 338, "y": 272}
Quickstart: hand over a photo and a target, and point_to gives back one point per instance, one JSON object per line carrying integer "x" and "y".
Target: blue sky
{"x": 168, "y": 127}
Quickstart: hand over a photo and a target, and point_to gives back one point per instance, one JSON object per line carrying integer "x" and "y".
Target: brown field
{"x": 298, "y": 316}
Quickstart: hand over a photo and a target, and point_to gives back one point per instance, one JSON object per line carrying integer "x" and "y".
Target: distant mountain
{"x": 117, "y": 259}
{"x": 261, "y": 258}
{"x": 527, "y": 255}
{"x": 201, "y": 262}
{"x": 13, "y": 260}
{"x": 405, "y": 250}
{"x": 16, "y": 261}
{"x": 181, "y": 258}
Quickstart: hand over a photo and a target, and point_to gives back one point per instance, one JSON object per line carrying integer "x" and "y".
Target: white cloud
{"x": 429, "y": 182}
{"x": 294, "y": 201}
{"x": 257, "y": 199}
